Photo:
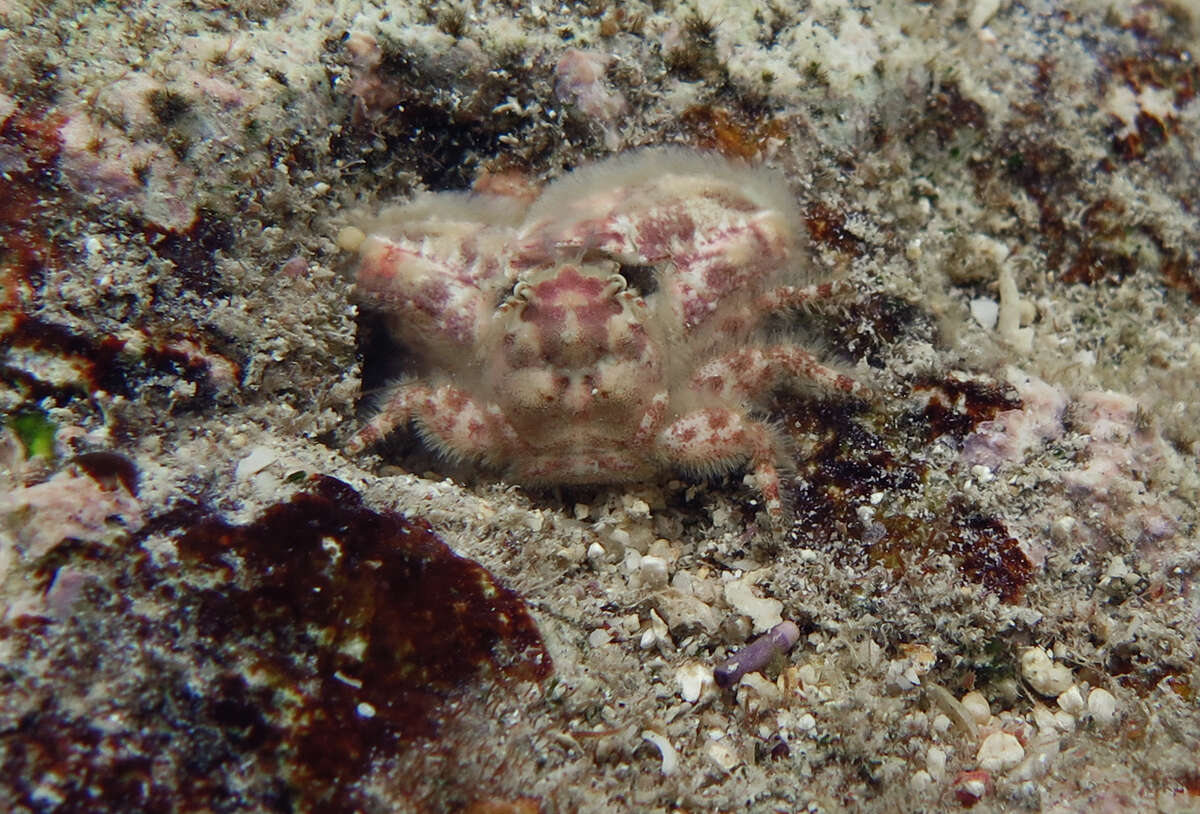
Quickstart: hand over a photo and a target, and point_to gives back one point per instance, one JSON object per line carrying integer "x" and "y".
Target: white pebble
{"x": 1102, "y": 705}
{"x": 633, "y": 561}
{"x": 1071, "y": 701}
{"x": 599, "y": 637}
{"x": 693, "y": 679}
{"x": 1000, "y": 752}
{"x": 935, "y": 762}
{"x": 985, "y": 311}
{"x": 1045, "y": 676}
{"x": 654, "y": 572}
{"x": 977, "y": 707}
{"x": 920, "y": 780}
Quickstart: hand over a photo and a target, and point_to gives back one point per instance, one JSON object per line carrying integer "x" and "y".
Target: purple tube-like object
{"x": 757, "y": 654}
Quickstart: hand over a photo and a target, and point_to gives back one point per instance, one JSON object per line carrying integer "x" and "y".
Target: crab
{"x": 608, "y": 330}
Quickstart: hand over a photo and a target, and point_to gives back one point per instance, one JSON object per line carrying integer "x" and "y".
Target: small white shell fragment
{"x": 1064, "y": 720}
{"x": 1118, "y": 571}
{"x": 922, "y": 657}
{"x": 670, "y": 758}
{"x": 1044, "y": 719}
{"x": 653, "y": 572}
{"x": 905, "y": 673}
{"x": 985, "y": 311}
{"x": 595, "y": 552}
{"x": 982, "y": 474}
{"x": 639, "y": 508}
{"x": 722, "y": 755}
{"x": 599, "y": 637}
{"x": 258, "y": 460}
{"x": 1102, "y": 705}
{"x": 573, "y": 554}
{"x": 1000, "y": 752}
{"x": 935, "y": 762}
{"x": 659, "y": 626}
{"x": 630, "y": 624}
{"x": 808, "y": 675}
{"x": 920, "y": 780}
{"x": 981, "y": 13}
{"x": 694, "y": 679}
{"x": 620, "y": 538}
{"x": 1047, "y": 677}
{"x": 972, "y": 788}
{"x": 753, "y": 687}
{"x": 633, "y": 561}
{"x": 1040, "y": 754}
{"x": 1071, "y": 701}
{"x": 977, "y": 707}
{"x": 682, "y": 609}
{"x": 763, "y": 613}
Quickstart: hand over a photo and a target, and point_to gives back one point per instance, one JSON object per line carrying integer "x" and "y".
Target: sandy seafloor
{"x": 993, "y": 560}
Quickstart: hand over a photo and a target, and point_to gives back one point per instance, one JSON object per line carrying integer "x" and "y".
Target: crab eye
{"x": 513, "y": 294}
{"x": 639, "y": 278}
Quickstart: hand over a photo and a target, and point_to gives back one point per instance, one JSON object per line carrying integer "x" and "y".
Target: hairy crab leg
{"x": 752, "y": 371}
{"x": 792, "y": 296}
{"x": 451, "y": 419}
{"x": 714, "y": 439}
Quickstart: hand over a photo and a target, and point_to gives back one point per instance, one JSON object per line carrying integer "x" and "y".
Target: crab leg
{"x": 451, "y": 419}
{"x": 751, "y": 371}
{"x": 715, "y": 438}
{"x": 792, "y": 296}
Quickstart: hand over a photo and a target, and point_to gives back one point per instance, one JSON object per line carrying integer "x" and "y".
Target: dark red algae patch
{"x": 272, "y": 667}
{"x": 325, "y": 573}
{"x": 846, "y": 460}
